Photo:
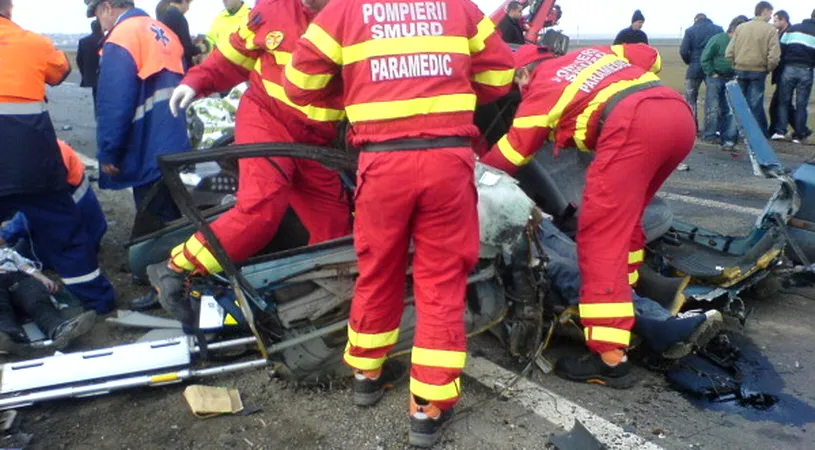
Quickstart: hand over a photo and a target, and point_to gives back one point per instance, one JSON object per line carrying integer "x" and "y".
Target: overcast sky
{"x": 593, "y": 17}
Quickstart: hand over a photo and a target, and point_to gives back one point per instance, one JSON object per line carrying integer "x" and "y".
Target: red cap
{"x": 529, "y": 53}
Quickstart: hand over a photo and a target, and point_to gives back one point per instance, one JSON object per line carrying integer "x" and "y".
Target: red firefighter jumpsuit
{"x": 413, "y": 72}
{"x": 647, "y": 131}
{"x": 259, "y": 51}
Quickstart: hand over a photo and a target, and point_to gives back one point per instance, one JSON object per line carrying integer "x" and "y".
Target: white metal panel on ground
{"x": 93, "y": 365}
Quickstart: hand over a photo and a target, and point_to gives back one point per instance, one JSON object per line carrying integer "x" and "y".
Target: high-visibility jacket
{"x": 28, "y": 143}
{"x": 565, "y": 98}
{"x": 259, "y": 51}
{"x": 224, "y": 24}
{"x": 141, "y": 64}
{"x": 409, "y": 69}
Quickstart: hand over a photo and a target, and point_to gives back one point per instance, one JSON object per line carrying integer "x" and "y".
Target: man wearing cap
{"x": 634, "y": 33}
{"x": 32, "y": 175}
{"x": 141, "y": 65}
{"x": 605, "y": 100}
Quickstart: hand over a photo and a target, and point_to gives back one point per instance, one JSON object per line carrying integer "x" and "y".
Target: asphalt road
{"x": 779, "y": 328}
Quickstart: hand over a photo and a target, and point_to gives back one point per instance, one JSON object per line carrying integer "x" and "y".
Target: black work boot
{"x": 169, "y": 286}
{"x": 72, "y": 328}
{"x": 426, "y": 422}
{"x": 591, "y": 368}
{"x": 369, "y": 387}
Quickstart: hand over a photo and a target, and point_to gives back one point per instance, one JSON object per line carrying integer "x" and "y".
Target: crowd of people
{"x": 749, "y": 51}
{"x": 312, "y": 64}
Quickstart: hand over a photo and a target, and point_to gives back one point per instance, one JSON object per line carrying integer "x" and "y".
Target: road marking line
{"x": 711, "y": 203}
{"x": 553, "y": 407}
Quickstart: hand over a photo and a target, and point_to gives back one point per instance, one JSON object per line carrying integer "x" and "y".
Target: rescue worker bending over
{"x": 413, "y": 72}
{"x": 606, "y": 100}
{"x": 32, "y": 174}
{"x": 17, "y": 233}
{"x": 258, "y": 51}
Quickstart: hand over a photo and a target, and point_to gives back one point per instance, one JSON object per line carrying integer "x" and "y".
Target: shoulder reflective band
{"x": 22, "y": 109}
{"x": 438, "y": 358}
{"x": 325, "y": 43}
{"x": 435, "y": 393}
{"x": 484, "y": 29}
{"x": 582, "y": 121}
{"x": 633, "y": 277}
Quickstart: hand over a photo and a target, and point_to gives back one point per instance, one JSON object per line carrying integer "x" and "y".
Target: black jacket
{"x": 798, "y": 44}
{"x": 87, "y": 59}
{"x": 511, "y": 31}
{"x": 631, "y": 36}
{"x": 176, "y": 22}
{"x": 693, "y": 45}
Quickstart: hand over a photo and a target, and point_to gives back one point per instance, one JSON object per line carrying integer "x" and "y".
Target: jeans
{"x": 752, "y": 85}
{"x": 564, "y": 273}
{"x": 795, "y": 79}
{"x": 692, "y": 96}
{"x": 775, "y": 124}
{"x": 24, "y": 293}
{"x": 718, "y": 114}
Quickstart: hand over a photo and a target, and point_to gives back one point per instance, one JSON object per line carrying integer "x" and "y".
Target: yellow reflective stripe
{"x": 282, "y": 58}
{"x": 636, "y": 257}
{"x": 312, "y": 112}
{"x": 582, "y": 121}
{"x": 202, "y": 254}
{"x": 248, "y": 37}
{"x": 438, "y": 358}
{"x": 178, "y": 258}
{"x": 398, "y": 109}
{"x": 633, "y": 277}
{"x": 618, "y": 50}
{"x": 236, "y": 57}
{"x": 484, "y": 30}
{"x": 512, "y": 155}
{"x": 495, "y": 77}
{"x": 305, "y": 81}
{"x": 368, "y": 341}
{"x": 657, "y": 67}
{"x": 571, "y": 90}
{"x": 608, "y": 334}
{"x": 434, "y": 392}
{"x": 606, "y": 310}
{"x": 541, "y": 121}
{"x": 361, "y": 363}
{"x": 404, "y": 46}
{"x": 326, "y": 44}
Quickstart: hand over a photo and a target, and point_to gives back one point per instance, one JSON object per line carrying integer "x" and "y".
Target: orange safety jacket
{"x": 258, "y": 51}
{"x": 565, "y": 98}
{"x": 74, "y": 165}
{"x": 28, "y": 144}
{"x": 28, "y": 62}
{"x": 409, "y": 69}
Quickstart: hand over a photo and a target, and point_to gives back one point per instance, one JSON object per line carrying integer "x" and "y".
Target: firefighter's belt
{"x": 620, "y": 96}
{"x": 397, "y": 145}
